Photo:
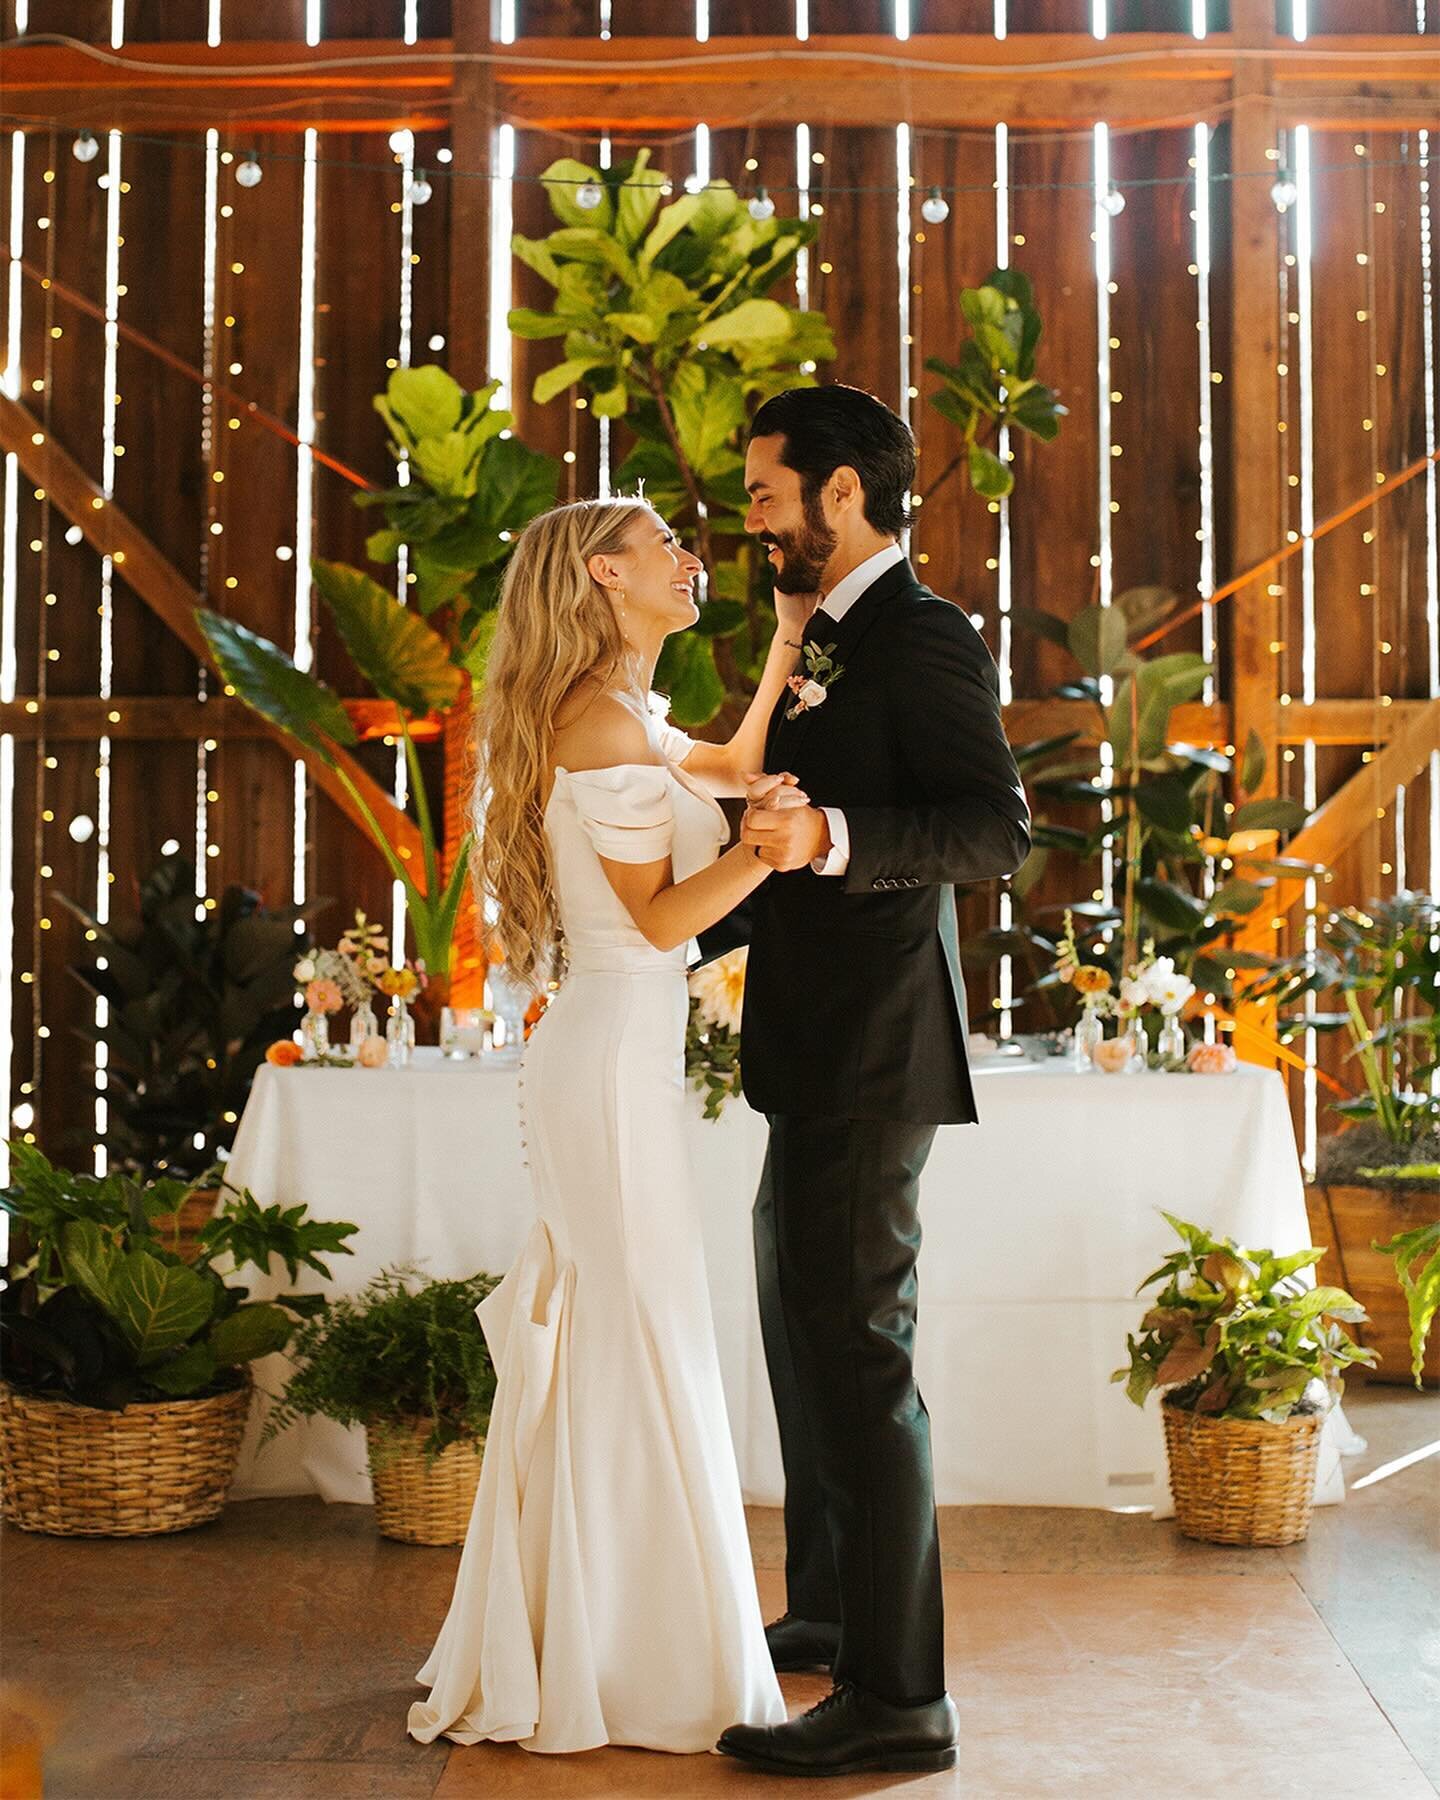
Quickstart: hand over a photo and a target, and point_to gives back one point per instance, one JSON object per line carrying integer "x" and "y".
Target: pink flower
{"x": 372, "y": 1053}
{"x": 1211, "y": 1059}
{"x": 1113, "y": 1054}
{"x": 323, "y": 995}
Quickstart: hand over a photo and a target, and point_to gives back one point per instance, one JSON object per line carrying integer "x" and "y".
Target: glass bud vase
{"x": 1089, "y": 1031}
{"x": 399, "y": 1034}
{"x": 363, "y": 1024}
{"x": 1171, "y": 1042}
{"x": 315, "y": 1035}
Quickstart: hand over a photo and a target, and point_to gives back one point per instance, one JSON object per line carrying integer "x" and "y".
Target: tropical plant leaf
{"x": 268, "y": 682}
{"x": 401, "y": 656}
{"x": 248, "y": 1332}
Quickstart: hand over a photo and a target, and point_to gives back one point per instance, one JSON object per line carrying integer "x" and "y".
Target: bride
{"x": 605, "y": 1594}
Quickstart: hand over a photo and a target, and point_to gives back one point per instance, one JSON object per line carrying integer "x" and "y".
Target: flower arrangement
{"x": 712, "y": 1033}
{"x": 1095, "y": 988}
{"x": 402, "y": 983}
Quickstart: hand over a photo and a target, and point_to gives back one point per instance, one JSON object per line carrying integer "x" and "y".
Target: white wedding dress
{"x": 605, "y": 1593}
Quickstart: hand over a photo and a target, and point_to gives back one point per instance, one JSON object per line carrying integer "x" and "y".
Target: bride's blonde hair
{"x": 555, "y": 627}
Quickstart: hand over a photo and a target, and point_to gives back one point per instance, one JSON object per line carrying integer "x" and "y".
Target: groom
{"x": 854, "y": 1046}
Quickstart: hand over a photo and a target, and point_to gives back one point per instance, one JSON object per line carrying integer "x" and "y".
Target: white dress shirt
{"x": 837, "y": 603}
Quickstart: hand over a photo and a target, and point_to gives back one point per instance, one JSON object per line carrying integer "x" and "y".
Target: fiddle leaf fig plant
{"x": 668, "y": 322}
{"x": 993, "y": 386}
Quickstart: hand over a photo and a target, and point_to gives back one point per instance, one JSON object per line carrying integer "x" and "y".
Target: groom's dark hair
{"x": 826, "y": 428}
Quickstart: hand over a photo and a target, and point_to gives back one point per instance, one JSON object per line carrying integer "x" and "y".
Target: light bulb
{"x": 589, "y": 194}
{"x": 420, "y": 190}
{"x": 402, "y": 140}
{"x": 934, "y": 208}
{"x": 86, "y": 147}
{"x": 249, "y": 174}
{"x": 1284, "y": 194}
{"x": 694, "y": 183}
{"x": 81, "y": 828}
{"x": 1113, "y": 202}
{"x": 762, "y": 206}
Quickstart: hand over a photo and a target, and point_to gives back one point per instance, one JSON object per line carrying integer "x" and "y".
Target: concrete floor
{"x": 1091, "y": 1654}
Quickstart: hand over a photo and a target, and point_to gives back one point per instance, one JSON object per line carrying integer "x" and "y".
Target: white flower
{"x": 811, "y": 694}
{"x": 1134, "y": 993}
{"x": 305, "y": 969}
{"x": 719, "y": 988}
{"x": 1171, "y": 994}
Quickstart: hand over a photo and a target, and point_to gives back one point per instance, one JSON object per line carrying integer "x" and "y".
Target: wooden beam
{"x": 158, "y": 717}
{"x": 166, "y": 592}
{"x": 668, "y": 83}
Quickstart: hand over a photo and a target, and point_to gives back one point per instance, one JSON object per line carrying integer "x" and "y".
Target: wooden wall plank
{"x": 853, "y": 276}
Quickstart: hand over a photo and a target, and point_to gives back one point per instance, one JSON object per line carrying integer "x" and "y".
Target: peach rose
{"x": 323, "y": 995}
{"x": 1091, "y": 980}
{"x": 372, "y": 1053}
{"x": 284, "y": 1053}
{"x": 1113, "y": 1054}
{"x": 1211, "y": 1059}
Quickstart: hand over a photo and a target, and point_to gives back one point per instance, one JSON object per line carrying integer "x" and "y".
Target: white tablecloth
{"x": 1039, "y": 1223}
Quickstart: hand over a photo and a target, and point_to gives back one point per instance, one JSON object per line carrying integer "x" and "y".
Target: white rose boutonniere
{"x": 812, "y": 688}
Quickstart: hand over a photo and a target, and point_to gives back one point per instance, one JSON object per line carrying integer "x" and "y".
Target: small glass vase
{"x": 315, "y": 1034}
{"x": 511, "y": 1000}
{"x": 1089, "y": 1031}
{"x": 1171, "y": 1045}
{"x": 399, "y": 1034}
{"x": 363, "y": 1024}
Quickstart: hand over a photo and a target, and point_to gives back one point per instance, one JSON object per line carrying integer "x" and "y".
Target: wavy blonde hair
{"x": 555, "y": 626}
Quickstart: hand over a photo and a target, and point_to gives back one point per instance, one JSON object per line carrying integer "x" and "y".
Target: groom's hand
{"x": 786, "y": 831}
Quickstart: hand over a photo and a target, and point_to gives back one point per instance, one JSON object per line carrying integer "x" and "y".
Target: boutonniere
{"x": 811, "y": 690}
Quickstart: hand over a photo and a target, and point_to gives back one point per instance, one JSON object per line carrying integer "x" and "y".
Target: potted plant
{"x": 1377, "y": 1179}
{"x": 406, "y": 1359}
{"x": 193, "y": 999}
{"x": 124, "y": 1370}
{"x": 1249, "y": 1356}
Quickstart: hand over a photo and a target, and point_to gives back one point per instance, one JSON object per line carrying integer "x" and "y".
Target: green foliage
{"x": 668, "y": 323}
{"x": 1155, "y": 803}
{"x": 101, "y": 1312}
{"x": 993, "y": 386}
{"x": 1382, "y": 962}
{"x": 192, "y": 1004}
{"x": 712, "y": 1060}
{"x": 1235, "y": 1334}
{"x": 1422, "y": 1286}
{"x": 397, "y": 1352}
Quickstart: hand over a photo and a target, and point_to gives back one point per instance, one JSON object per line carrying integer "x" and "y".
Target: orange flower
{"x": 1091, "y": 980}
{"x": 1211, "y": 1059}
{"x": 397, "y": 982}
{"x": 323, "y": 995}
{"x": 284, "y": 1053}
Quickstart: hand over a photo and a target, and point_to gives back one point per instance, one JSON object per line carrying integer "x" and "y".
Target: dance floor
{"x": 1091, "y": 1655}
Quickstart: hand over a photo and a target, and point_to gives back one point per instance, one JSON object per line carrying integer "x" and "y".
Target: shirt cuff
{"x": 838, "y": 859}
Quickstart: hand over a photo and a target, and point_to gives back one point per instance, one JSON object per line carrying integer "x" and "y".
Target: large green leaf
{"x": 267, "y": 680}
{"x": 425, "y": 400}
{"x": 988, "y": 475}
{"x": 1278, "y": 814}
{"x": 1169, "y": 906}
{"x": 704, "y": 422}
{"x": 248, "y": 1332}
{"x": 1166, "y": 802}
{"x": 1096, "y": 636}
{"x": 186, "y": 1372}
{"x": 686, "y": 672}
{"x": 88, "y": 1256}
{"x": 750, "y": 322}
{"x": 157, "y": 1305}
{"x": 552, "y": 381}
{"x": 525, "y": 322}
{"x": 636, "y": 200}
{"x": 562, "y": 180}
{"x": 392, "y": 647}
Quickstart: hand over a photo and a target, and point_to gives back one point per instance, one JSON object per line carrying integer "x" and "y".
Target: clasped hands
{"x": 786, "y": 831}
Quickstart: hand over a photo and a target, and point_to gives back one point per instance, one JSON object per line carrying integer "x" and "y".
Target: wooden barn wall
{"x": 165, "y": 478}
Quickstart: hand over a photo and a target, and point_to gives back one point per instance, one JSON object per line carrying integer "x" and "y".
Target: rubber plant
{"x": 471, "y": 490}
{"x": 669, "y": 324}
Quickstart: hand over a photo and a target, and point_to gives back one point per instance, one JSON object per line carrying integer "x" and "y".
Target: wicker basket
{"x": 78, "y": 1471}
{"x": 1242, "y": 1481}
{"x": 422, "y": 1502}
{"x": 181, "y": 1233}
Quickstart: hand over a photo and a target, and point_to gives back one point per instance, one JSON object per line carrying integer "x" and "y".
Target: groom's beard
{"x": 803, "y": 553}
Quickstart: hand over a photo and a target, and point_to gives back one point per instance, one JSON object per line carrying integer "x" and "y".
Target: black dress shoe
{"x": 849, "y": 1732}
{"x": 802, "y": 1644}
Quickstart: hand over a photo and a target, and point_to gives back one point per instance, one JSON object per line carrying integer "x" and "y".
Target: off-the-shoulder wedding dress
{"x": 605, "y": 1592}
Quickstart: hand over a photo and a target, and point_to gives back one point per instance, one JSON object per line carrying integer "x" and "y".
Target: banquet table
{"x": 1038, "y": 1225}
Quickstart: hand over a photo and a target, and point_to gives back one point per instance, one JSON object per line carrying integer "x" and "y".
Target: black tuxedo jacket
{"x": 854, "y": 1000}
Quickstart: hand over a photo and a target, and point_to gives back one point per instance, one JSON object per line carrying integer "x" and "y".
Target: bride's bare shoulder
{"x": 595, "y": 729}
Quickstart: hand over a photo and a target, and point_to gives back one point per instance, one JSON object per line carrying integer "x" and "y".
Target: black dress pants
{"x": 837, "y": 1232}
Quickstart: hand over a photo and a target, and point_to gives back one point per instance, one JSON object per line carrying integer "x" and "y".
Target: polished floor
{"x": 1091, "y": 1655}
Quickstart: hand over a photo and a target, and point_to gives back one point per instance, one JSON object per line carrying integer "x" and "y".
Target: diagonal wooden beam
{"x": 165, "y": 591}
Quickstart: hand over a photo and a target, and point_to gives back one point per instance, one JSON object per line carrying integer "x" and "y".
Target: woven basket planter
{"x": 420, "y": 1502}
{"x": 1242, "y": 1481}
{"x": 78, "y": 1471}
{"x": 196, "y": 1213}
{"x": 1350, "y": 1220}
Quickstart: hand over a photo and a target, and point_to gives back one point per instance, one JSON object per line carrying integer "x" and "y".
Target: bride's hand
{"x": 792, "y": 613}
{"x": 769, "y": 793}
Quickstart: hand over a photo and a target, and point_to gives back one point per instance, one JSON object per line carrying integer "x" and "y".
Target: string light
{"x": 1284, "y": 193}
{"x": 589, "y": 194}
{"x": 249, "y": 174}
{"x": 420, "y": 189}
{"x": 934, "y": 208}
{"x": 86, "y": 147}
{"x": 762, "y": 207}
